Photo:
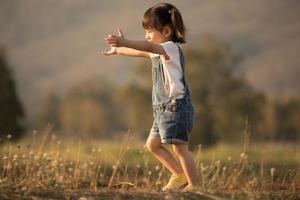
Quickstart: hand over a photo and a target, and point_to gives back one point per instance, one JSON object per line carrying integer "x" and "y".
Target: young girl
{"x": 172, "y": 107}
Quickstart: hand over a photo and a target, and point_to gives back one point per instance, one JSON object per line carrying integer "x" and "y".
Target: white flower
{"x": 157, "y": 167}
{"x": 272, "y": 170}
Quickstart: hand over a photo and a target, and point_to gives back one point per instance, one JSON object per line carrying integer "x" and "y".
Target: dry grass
{"x": 48, "y": 167}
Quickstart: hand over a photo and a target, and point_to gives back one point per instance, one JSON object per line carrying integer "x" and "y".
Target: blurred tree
{"x": 49, "y": 112}
{"x": 134, "y": 99}
{"x": 11, "y": 110}
{"x": 222, "y": 98}
{"x": 287, "y": 114}
{"x": 89, "y": 109}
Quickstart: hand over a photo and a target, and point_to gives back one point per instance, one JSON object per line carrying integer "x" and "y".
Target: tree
{"x": 134, "y": 99}
{"x": 49, "y": 112}
{"x": 222, "y": 98}
{"x": 11, "y": 110}
{"x": 287, "y": 115}
{"x": 89, "y": 109}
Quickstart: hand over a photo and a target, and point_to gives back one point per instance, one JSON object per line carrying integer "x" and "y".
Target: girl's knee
{"x": 180, "y": 149}
{"x": 153, "y": 144}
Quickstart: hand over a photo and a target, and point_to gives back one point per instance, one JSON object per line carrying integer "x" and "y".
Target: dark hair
{"x": 164, "y": 14}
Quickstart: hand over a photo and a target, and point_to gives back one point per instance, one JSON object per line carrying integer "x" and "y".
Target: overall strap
{"x": 182, "y": 62}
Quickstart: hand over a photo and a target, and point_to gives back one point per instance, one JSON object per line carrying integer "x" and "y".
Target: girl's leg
{"x": 187, "y": 163}
{"x": 163, "y": 155}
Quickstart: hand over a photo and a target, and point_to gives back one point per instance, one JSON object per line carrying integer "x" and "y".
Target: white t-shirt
{"x": 172, "y": 70}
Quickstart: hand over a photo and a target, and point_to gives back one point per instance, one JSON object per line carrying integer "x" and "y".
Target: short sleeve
{"x": 171, "y": 50}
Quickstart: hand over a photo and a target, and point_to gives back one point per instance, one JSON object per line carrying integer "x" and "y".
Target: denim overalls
{"x": 173, "y": 118}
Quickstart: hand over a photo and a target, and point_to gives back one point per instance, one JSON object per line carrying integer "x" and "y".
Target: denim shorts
{"x": 173, "y": 121}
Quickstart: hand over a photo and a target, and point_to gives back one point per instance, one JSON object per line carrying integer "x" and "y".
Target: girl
{"x": 172, "y": 107}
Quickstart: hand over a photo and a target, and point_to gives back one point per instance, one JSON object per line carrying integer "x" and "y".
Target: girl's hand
{"x": 112, "y": 51}
{"x": 115, "y": 41}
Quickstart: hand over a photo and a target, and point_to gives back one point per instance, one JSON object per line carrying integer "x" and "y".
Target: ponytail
{"x": 177, "y": 24}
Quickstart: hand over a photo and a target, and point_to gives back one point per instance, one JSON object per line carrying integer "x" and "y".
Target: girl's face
{"x": 154, "y": 36}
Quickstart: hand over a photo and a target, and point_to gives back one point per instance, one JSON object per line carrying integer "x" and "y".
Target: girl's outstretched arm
{"x": 144, "y": 46}
{"x": 125, "y": 51}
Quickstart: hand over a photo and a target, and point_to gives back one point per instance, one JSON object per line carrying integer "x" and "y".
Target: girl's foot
{"x": 190, "y": 188}
{"x": 175, "y": 182}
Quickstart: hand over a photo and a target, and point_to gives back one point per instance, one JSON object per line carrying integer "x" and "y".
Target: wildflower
{"x": 203, "y": 168}
{"x": 149, "y": 173}
{"x": 229, "y": 158}
{"x": 99, "y": 150}
{"x": 224, "y": 169}
{"x": 24, "y": 188}
{"x": 138, "y": 166}
{"x": 218, "y": 162}
{"x": 15, "y": 157}
{"x": 53, "y": 137}
{"x": 9, "y": 136}
{"x": 157, "y": 167}
{"x": 272, "y": 170}
{"x": 54, "y": 162}
{"x": 8, "y": 166}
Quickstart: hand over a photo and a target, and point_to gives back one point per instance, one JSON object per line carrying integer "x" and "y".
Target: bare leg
{"x": 163, "y": 155}
{"x": 187, "y": 163}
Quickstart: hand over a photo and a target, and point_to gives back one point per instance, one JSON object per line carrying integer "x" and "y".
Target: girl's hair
{"x": 164, "y": 14}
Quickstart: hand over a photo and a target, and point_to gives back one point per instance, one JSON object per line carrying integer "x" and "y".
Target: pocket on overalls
{"x": 154, "y": 75}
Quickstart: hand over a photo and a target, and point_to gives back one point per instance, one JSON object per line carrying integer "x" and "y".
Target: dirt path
{"x": 107, "y": 195}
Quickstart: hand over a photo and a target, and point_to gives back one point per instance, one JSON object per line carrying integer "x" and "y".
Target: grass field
{"x": 47, "y": 167}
